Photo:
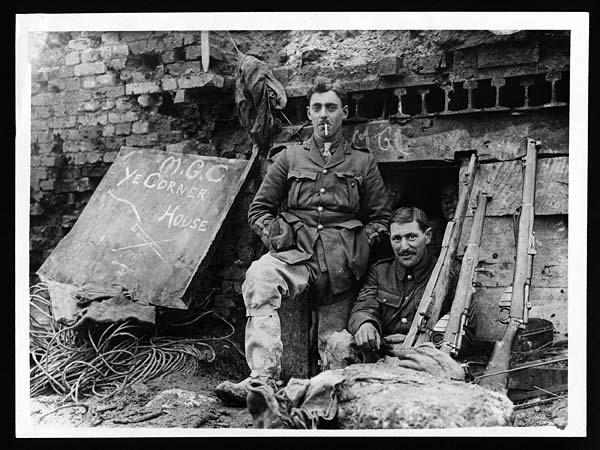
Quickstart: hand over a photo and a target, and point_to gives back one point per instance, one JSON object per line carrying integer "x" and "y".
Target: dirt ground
{"x": 183, "y": 401}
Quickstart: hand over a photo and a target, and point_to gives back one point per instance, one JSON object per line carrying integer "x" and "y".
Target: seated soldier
{"x": 390, "y": 295}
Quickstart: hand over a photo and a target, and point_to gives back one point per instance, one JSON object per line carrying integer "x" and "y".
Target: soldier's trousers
{"x": 268, "y": 282}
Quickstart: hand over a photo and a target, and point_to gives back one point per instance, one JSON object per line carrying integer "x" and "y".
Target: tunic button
{"x": 325, "y": 171}
{"x": 322, "y": 190}
{"x": 319, "y": 227}
{"x": 406, "y": 298}
{"x": 384, "y": 300}
{"x": 410, "y": 277}
{"x": 404, "y": 320}
{"x": 320, "y": 208}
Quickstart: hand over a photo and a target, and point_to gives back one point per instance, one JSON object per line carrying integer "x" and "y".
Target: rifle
{"x": 463, "y": 298}
{"x": 496, "y": 376}
{"x": 437, "y": 287}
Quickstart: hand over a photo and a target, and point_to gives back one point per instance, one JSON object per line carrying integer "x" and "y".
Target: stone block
{"x": 193, "y": 52}
{"x": 123, "y": 129}
{"x": 172, "y": 40}
{"x": 36, "y": 88}
{"x": 43, "y": 99}
{"x": 201, "y": 80}
{"x": 129, "y": 116}
{"x": 39, "y": 125}
{"x": 139, "y": 127}
{"x": 105, "y": 52}
{"x": 38, "y": 173}
{"x": 93, "y": 68}
{"x": 116, "y": 63}
{"x": 70, "y": 135}
{"x": 91, "y": 132}
{"x": 108, "y": 79}
{"x": 72, "y": 58}
{"x": 90, "y": 55}
{"x": 64, "y": 122}
{"x": 110, "y": 37}
{"x": 138, "y": 76}
{"x": 114, "y": 117}
{"x": 169, "y": 84}
{"x": 123, "y": 104}
{"x": 72, "y": 84}
{"x": 107, "y": 105}
{"x": 179, "y": 97}
{"x": 114, "y": 91}
{"x": 76, "y": 96}
{"x": 57, "y": 85}
{"x": 109, "y": 157}
{"x": 129, "y": 36}
{"x": 78, "y": 158}
{"x": 108, "y": 130}
{"x": 390, "y": 66}
{"x": 126, "y": 75}
{"x": 49, "y": 185}
{"x": 41, "y": 112}
{"x": 66, "y": 71}
{"x": 142, "y": 140}
{"x": 80, "y": 43}
{"x": 146, "y": 46}
{"x": 89, "y": 82}
{"x": 94, "y": 157}
{"x": 41, "y": 74}
{"x": 141, "y": 88}
{"x": 41, "y": 136}
{"x": 145, "y": 100}
{"x": 90, "y": 106}
{"x": 168, "y": 57}
{"x": 120, "y": 51}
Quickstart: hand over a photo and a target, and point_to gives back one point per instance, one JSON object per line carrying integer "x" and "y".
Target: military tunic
{"x": 304, "y": 199}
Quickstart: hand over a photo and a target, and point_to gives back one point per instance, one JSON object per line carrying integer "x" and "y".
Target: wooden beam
{"x": 497, "y": 252}
{"x": 547, "y": 303}
{"x": 504, "y": 179}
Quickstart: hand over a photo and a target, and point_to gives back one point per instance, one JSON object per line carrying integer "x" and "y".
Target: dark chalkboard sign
{"x": 149, "y": 224}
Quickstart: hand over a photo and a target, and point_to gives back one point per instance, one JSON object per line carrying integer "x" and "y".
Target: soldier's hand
{"x": 397, "y": 338}
{"x": 367, "y": 337}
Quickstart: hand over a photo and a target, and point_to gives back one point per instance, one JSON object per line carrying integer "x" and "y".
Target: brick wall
{"x": 95, "y": 92}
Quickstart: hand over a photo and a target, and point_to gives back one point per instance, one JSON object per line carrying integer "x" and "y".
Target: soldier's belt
{"x": 325, "y": 218}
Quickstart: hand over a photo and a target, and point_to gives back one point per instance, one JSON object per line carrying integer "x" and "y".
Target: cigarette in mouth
{"x": 326, "y": 131}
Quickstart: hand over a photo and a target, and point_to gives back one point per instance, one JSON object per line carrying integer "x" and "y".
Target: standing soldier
{"x": 319, "y": 210}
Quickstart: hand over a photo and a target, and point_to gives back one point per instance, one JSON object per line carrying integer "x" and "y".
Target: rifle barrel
{"x": 430, "y": 305}
{"x": 464, "y": 287}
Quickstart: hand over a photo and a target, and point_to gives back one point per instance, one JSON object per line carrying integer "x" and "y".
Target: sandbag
{"x": 382, "y": 395}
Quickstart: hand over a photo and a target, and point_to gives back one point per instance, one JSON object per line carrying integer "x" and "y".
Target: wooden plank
{"x": 547, "y": 303}
{"x": 149, "y": 224}
{"x": 503, "y": 180}
{"x": 295, "y": 322}
{"x": 497, "y": 251}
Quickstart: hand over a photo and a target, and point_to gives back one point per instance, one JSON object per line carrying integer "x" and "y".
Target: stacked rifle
{"x": 449, "y": 332}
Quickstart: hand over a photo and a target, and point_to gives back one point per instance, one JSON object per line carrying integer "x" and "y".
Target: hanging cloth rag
{"x": 257, "y": 91}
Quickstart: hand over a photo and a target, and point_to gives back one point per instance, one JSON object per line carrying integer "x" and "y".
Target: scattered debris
{"x": 139, "y": 417}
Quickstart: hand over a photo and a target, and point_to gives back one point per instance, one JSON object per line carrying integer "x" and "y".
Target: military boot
{"x": 235, "y": 394}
